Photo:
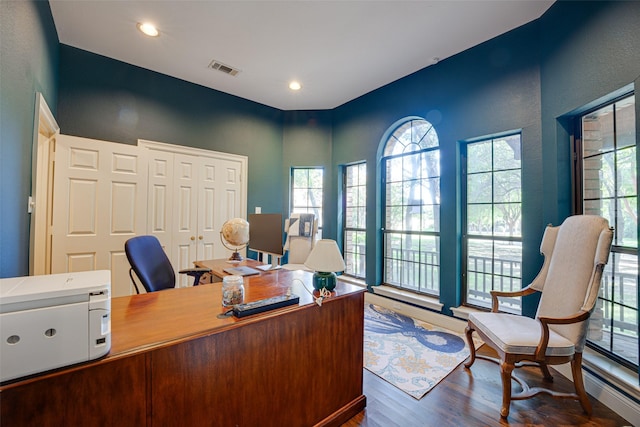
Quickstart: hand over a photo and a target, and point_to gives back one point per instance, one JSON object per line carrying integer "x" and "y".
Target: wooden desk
{"x": 175, "y": 361}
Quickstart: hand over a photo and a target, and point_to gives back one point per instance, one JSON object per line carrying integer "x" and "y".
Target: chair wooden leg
{"x": 472, "y": 348}
{"x": 505, "y": 373}
{"x": 545, "y": 372}
{"x": 576, "y": 370}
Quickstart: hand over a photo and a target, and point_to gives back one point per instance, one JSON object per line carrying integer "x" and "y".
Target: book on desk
{"x": 241, "y": 271}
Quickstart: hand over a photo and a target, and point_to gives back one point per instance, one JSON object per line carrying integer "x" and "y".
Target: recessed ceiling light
{"x": 294, "y": 85}
{"x": 148, "y": 29}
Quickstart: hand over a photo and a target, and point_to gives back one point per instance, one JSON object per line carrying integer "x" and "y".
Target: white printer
{"x": 52, "y": 321}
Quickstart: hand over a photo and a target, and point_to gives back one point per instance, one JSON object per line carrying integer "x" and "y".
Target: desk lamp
{"x": 325, "y": 259}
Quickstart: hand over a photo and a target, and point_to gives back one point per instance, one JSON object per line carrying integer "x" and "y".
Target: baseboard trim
{"x": 428, "y": 302}
{"x": 606, "y": 394}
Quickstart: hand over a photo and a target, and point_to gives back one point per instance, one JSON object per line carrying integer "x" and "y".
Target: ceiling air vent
{"x": 217, "y": 65}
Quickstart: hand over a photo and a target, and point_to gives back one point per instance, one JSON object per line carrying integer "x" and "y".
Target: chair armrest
{"x": 496, "y": 294}
{"x": 574, "y": 318}
{"x": 541, "y": 350}
{"x": 194, "y": 270}
{"x": 196, "y": 273}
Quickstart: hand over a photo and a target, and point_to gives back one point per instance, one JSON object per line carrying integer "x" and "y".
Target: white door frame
{"x": 45, "y": 129}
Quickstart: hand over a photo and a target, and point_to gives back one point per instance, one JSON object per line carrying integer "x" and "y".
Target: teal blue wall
{"x": 527, "y": 79}
{"x": 590, "y": 50}
{"x": 307, "y": 143}
{"x": 109, "y": 100}
{"x": 492, "y": 88}
{"x": 28, "y": 64}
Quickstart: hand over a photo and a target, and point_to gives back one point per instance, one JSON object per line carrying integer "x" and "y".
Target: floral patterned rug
{"x": 408, "y": 353}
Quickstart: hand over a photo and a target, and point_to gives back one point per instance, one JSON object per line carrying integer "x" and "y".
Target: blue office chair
{"x": 152, "y": 266}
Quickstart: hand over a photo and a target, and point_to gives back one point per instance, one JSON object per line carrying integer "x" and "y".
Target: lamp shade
{"x": 325, "y": 257}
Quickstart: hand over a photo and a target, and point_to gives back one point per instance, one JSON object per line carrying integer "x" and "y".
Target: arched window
{"x": 411, "y": 169}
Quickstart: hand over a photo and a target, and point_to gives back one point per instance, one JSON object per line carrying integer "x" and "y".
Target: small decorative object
{"x": 232, "y": 290}
{"x": 235, "y": 236}
{"x": 325, "y": 259}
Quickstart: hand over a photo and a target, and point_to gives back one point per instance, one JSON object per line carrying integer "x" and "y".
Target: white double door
{"x": 190, "y": 198}
{"x": 105, "y": 193}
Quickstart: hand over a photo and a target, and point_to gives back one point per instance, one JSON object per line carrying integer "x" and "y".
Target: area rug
{"x": 412, "y": 355}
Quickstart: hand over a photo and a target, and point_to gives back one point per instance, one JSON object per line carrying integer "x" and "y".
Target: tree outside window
{"x": 307, "y": 192}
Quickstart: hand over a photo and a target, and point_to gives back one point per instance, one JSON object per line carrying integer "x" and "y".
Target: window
{"x": 355, "y": 218}
{"x": 492, "y": 243}
{"x": 306, "y": 192}
{"x": 607, "y": 176}
{"x": 411, "y": 167}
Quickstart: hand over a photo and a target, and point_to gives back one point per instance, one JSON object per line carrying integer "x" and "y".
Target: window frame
{"x": 515, "y": 305}
{"x": 317, "y": 210}
{"x": 578, "y": 200}
{"x": 406, "y": 269}
{"x": 347, "y": 251}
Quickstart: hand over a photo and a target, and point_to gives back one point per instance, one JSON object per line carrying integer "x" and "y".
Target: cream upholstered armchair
{"x": 301, "y": 230}
{"x": 574, "y": 257}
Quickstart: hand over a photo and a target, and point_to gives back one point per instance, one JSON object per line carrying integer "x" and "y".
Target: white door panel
{"x": 209, "y": 219}
{"x": 99, "y": 201}
{"x": 160, "y": 194}
{"x": 230, "y": 201}
{"x": 185, "y": 203}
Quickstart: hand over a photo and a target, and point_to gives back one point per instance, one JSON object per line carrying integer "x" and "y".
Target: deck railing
{"x": 413, "y": 270}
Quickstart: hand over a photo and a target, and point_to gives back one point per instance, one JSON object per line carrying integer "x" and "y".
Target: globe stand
{"x": 236, "y": 257}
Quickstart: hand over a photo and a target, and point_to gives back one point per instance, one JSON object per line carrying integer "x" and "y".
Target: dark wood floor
{"x": 473, "y": 398}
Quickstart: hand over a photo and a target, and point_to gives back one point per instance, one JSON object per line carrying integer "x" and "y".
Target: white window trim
{"x": 415, "y": 298}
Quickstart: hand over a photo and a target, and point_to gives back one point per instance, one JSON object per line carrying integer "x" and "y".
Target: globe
{"x": 235, "y": 236}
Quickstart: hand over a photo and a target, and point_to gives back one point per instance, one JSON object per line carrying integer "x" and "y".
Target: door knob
{"x": 199, "y": 237}
{"x": 193, "y": 237}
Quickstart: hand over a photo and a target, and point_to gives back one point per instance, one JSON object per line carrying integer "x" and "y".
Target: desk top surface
{"x": 145, "y": 321}
{"x": 218, "y": 266}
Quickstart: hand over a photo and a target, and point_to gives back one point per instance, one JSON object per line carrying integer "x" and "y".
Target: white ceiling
{"x": 337, "y": 49}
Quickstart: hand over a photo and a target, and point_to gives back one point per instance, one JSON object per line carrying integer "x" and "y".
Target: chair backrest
{"x": 575, "y": 255}
{"x": 301, "y": 230}
{"x": 150, "y": 263}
